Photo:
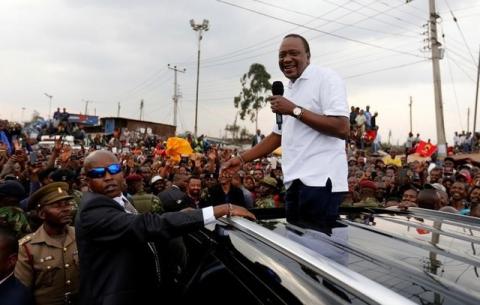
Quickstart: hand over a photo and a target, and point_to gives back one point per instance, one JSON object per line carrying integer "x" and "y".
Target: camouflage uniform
{"x": 369, "y": 202}
{"x": 265, "y": 202}
{"x": 15, "y": 218}
{"x": 147, "y": 203}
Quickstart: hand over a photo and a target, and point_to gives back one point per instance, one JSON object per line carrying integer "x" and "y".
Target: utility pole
{"x": 468, "y": 119}
{"x": 175, "y": 92}
{"x": 118, "y": 109}
{"x": 141, "y": 109}
{"x": 86, "y": 107}
{"x": 410, "y": 105}
{"x": 50, "y": 105}
{"x": 476, "y": 97}
{"x": 198, "y": 28}
{"x": 437, "y": 84}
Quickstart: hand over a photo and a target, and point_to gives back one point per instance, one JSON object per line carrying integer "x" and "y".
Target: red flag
{"x": 425, "y": 149}
{"x": 370, "y": 135}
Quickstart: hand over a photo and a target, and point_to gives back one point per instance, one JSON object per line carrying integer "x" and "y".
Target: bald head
{"x": 110, "y": 185}
{"x": 99, "y": 156}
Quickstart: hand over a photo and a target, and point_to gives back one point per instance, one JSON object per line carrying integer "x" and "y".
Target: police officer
{"x": 48, "y": 258}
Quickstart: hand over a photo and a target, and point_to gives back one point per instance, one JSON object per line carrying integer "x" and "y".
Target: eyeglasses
{"x": 100, "y": 172}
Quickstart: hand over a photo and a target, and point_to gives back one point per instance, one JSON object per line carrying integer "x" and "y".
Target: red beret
{"x": 133, "y": 178}
{"x": 364, "y": 183}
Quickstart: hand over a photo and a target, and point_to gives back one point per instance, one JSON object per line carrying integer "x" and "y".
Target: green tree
{"x": 255, "y": 84}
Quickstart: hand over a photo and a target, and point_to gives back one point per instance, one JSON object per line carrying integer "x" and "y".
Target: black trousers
{"x": 312, "y": 205}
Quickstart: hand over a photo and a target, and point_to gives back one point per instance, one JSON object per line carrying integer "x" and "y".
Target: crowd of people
{"x": 132, "y": 188}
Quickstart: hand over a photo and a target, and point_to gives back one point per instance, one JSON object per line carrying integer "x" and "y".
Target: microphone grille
{"x": 277, "y": 88}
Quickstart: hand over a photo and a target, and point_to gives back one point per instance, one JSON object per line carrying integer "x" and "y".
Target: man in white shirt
{"x": 315, "y": 125}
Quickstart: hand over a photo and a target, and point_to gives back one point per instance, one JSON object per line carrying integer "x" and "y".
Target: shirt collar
{"x": 120, "y": 200}
{"x": 306, "y": 74}
{"x": 6, "y": 278}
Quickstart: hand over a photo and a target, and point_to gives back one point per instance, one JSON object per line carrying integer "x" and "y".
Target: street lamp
{"x": 50, "y": 106}
{"x": 198, "y": 28}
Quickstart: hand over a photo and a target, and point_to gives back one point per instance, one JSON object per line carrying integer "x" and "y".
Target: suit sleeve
{"x": 101, "y": 219}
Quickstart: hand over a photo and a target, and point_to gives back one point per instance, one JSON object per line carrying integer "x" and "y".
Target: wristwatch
{"x": 297, "y": 112}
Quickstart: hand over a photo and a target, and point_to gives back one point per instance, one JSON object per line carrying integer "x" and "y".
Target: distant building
{"x": 109, "y": 125}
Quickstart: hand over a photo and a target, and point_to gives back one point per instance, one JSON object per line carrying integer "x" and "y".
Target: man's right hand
{"x": 232, "y": 165}
{"x": 231, "y": 210}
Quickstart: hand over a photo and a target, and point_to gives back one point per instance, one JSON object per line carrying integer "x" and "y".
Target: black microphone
{"x": 277, "y": 89}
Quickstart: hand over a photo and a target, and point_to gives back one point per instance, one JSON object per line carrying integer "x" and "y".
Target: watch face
{"x": 297, "y": 111}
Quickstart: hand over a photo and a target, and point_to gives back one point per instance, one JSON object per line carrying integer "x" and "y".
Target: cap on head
{"x": 269, "y": 181}
{"x": 12, "y": 188}
{"x": 155, "y": 179}
{"x": 133, "y": 178}
{"x": 48, "y": 194}
{"x": 62, "y": 175}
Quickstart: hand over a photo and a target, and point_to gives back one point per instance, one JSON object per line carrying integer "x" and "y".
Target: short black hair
{"x": 304, "y": 41}
{"x": 8, "y": 237}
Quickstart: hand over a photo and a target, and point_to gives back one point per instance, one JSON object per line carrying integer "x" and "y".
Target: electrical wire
{"x": 386, "y": 69}
{"x": 317, "y": 30}
{"x": 461, "y": 33}
{"x": 330, "y": 20}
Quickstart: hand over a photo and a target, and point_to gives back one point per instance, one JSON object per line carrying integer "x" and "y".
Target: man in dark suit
{"x": 174, "y": 198}
{"x": 119, "y": 263}
{"x": 12, "y": 291}
{"x": 257, "y": 138}
{"x": 225, "y": 192}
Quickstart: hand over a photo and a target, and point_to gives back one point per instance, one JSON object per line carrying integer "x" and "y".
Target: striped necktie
{"x": 129, "y": 208}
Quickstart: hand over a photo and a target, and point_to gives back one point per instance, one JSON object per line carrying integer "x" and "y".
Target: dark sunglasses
{"x": 100, "y": 172}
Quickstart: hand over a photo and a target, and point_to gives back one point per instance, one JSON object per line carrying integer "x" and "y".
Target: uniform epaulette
{"x": 25, "y": 239}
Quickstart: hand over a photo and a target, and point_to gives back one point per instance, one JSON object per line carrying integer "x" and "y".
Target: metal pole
{"x": 86, "y": 107}
{"x": 118, "y": 110}
{"x": 199, "y": 28}
{"x": 411, "y": 102}
{"x": 476, "y": 97}
{"x": 175, "y": 92}
{"x": 468, "y": 119}
{"x": 50, "y": 105}
{"x": 437, "y": 83}
{"x": 198, "y": 78}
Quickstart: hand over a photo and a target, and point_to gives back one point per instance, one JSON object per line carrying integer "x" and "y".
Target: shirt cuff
{"x": 208, "y": 216}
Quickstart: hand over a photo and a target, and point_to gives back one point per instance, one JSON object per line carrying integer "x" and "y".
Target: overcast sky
{"x": 110, "y": 51}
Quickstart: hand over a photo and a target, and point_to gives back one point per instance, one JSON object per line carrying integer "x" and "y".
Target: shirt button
{"x": 67, "y": 265}
{"x": 64, "y": 249}
{"x": 68, "y": 282}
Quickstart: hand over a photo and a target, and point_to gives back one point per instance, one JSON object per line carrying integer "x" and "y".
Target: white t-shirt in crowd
{"x": 307, "y": 154}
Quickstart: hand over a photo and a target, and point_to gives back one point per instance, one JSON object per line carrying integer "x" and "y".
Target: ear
{"x": 41, "y": 213}
{"x": 12, "y": 261}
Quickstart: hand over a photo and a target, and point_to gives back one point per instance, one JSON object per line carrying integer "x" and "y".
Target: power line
{"x": 330, "y": 20}
{"x": 386, "y": 69}
{"x": 461, "y": 33}
{"x": 393, "y": 16}
{"x": 317, "y": 30}
{"x": 454, "y": 92}
{"x": 458, "y": 66}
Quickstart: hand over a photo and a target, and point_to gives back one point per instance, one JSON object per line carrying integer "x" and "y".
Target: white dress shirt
{"x": 208, "y": 216}
{"x": 309, "y": 155}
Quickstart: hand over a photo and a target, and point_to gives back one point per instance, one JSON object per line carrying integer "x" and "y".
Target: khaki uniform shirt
{"x": 49, "y": 266}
